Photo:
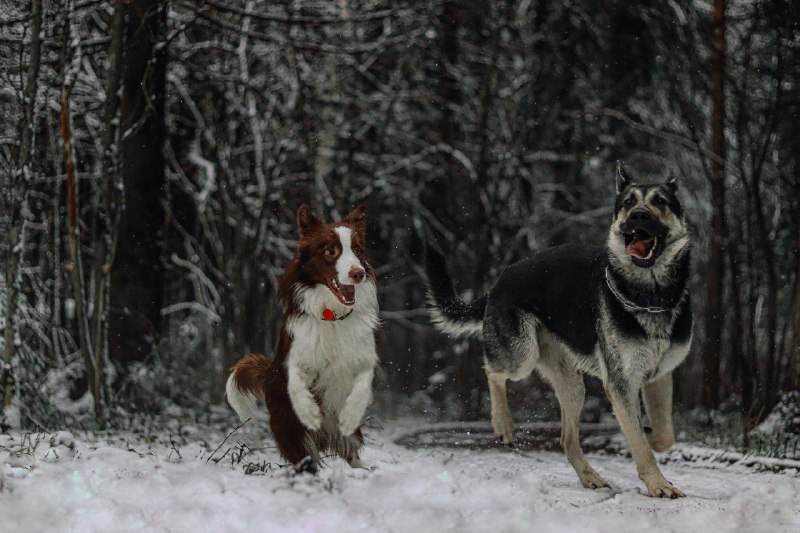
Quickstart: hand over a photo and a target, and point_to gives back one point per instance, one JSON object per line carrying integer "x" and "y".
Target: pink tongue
{"x": 637, "y": 247}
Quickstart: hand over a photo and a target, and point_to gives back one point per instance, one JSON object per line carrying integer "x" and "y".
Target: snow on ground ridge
{"x": 172, "y": 482}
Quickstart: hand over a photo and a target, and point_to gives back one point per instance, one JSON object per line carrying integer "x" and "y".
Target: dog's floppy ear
{"x": 306, "y": 220}
{"x": 672, "y": 181}
{"x": 358, "y": 218}
{"x": 623, "y": 178}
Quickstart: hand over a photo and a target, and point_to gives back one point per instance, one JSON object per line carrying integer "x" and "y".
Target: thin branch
{"x": 299, "y": 19}
{"x": 221, "y": 444}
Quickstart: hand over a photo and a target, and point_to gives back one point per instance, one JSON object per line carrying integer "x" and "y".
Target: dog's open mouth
{"x": 643, "y": 247}
{"x": 345, "y": 293}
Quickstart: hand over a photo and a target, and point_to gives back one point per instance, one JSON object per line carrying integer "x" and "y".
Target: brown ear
{"x": 306, "y": 220}
{"x": 358, "y": 218}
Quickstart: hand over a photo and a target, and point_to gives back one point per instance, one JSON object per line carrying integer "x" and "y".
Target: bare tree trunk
{"x": 752, "y": 407}
{"x": 71, "y": 66}
{"x": 109, "y": 199}
{"x": 772, "y": 381}
{"x": 137, "y": 273}
{"x": 450, "y": 20}
{"x": 448, "y": 53}
{"x": 793, "y": 371}
{"x": 742, "y": 361}
{"x": 714, "y": 318}
{"x": 17, "y": 200}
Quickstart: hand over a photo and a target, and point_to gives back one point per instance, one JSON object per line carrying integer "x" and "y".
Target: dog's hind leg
{"x": 511, "y": 351}
{"x": 502, "y": 422}
{"x": 348, "y": 447}
{"x": 295, "y": 443}
{"x": 571, "y": 392}
{"x": 658, "y": 401}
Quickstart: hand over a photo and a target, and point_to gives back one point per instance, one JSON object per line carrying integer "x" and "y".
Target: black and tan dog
{"x": 620, "y": 312}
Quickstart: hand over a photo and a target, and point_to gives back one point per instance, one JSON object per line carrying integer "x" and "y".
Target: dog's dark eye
{"x": 659, "y": 201}
{"x": 628, "y": 201}
{"x": 330, "y": 252}
{"x": 357, "y": 249}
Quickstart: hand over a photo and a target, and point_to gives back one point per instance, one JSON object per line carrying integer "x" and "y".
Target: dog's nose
{"x": 640, "y": 215}
{"x": 357, "y": 274}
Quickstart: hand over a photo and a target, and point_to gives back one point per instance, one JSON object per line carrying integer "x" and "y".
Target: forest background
{"x": 153, "y": 154}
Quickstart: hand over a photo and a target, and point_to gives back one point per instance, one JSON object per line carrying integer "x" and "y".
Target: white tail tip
{"x": 244, "y": 403}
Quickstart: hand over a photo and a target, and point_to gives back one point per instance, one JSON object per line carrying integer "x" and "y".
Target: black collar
{"x": 627, "y": 304}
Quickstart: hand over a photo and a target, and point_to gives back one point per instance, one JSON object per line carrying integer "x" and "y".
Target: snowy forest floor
{"x": 177, "y": 475}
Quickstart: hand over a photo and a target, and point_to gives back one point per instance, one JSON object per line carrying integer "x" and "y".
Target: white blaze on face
{"x": 347, "y": 260}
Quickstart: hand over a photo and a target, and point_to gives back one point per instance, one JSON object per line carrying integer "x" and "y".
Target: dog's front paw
{"x": 348, "y": 422}
{"x": 591, "y": 479}
{"x": 661, "y": 488}
{"x": 310, "y": 416}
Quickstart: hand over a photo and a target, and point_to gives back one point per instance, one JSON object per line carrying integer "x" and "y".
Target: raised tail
{"x": 245, "y": 386}
{"x": 449, "y": 313}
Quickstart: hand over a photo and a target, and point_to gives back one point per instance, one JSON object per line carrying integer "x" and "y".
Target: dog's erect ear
{"x": 672, "y": 181}
{"x": 358, "y": 218}
{"x": 306, "y": 220}
{"x": 623, "y": 179}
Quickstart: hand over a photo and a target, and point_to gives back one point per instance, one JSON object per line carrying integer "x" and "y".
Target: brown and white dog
{"x": 320, "y": 382}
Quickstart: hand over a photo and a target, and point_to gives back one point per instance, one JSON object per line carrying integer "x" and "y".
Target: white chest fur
{"x": 664, "y": 355}
{"x": 647, "y": 358}
{"x": 331, "y": 355}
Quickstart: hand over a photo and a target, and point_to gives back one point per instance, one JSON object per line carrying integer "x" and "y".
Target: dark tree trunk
{"x": 137, "y": 274}
{"x": 738, "y": 344}
{"x": 16, "y": 202}
{"x": 767, "y": 247}
{"x": 771, "y": 378}
{"x": 448, "y": 53}
{"x": 108, "y": 204}
{"x": 793, "y": 371}
{"x": 454, "y": 15}
{"x": 70, "y": 72}
{"x": 714, "y": 318}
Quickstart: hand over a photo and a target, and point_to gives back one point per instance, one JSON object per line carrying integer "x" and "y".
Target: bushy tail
{"x": 245, "y": 386}
{"x": 449, "y": 313}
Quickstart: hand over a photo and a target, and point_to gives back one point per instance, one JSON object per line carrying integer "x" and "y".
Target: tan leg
{"x": 571, "y": 393}
{"x": 626, "y": 409}
{"x": 502, "y": 422}
{"x": 658, "y": 401}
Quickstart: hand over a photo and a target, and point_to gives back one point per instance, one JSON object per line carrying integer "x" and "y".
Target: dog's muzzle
{"x": 644, "y": 237}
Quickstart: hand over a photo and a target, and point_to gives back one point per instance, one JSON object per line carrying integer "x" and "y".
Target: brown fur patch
{"x": 250, "y": 374}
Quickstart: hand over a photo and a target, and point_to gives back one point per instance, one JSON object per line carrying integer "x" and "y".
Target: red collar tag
{"x": 329, "y": 316}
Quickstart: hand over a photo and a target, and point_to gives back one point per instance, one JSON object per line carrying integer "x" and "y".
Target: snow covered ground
{"x": 171, "y": 481}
